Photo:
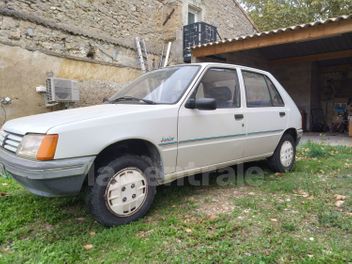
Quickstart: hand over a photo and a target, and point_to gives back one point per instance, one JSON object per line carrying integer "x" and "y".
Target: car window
{"x": 275, "y": 96}
{"x": 222, "y": 85}
{"x": 258, "y": 93}
{"x": 163, "y": 86}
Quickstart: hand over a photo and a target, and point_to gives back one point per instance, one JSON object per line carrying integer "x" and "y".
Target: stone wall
{"x": 228, "y": 17}
{"x": 297, "y": 80}
{"x": 33, "y": 33}
{"x": 92, "y": 41}
{"x": 121, "y": 20}
{"x": 21, "y": 71}
{"x": 105, "y": 30}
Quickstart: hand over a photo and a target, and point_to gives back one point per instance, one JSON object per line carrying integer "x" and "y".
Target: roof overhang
{"x": 297, "y": 34}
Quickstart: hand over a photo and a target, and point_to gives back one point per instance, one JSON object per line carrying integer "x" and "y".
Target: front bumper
{"x": 48, "y": 178}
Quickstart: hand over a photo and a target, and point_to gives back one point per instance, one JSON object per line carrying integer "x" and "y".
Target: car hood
{"x": 41, "y": 123}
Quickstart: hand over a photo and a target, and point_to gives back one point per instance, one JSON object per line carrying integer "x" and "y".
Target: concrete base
{"x": 334, "y": 139}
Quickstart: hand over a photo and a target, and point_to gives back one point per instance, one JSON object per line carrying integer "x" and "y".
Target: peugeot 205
{"x": 168, "y": 123}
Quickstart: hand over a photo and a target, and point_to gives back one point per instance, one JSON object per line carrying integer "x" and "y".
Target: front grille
{"x": 10, "y": 141}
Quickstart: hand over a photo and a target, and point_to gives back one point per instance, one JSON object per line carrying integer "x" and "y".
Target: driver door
{"x": 210, "y": 137}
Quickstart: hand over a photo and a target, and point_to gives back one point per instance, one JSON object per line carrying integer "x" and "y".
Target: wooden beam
{"x": 298, "y": 35}
{"x": 314, "y": 57}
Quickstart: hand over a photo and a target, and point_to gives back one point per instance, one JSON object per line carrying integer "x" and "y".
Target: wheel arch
{"x": 293, "y": 132}
{"x": 135, "y": 146}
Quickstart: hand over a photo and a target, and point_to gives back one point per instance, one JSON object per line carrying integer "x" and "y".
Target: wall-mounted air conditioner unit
{"x": 61, "y": 91}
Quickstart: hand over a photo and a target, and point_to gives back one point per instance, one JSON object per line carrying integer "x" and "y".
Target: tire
{"x": 283, "y": 163}
{"x": 123, "y": 191}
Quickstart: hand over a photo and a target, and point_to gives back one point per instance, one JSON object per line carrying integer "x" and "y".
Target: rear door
{"x": 265, "y": 113}
{"x": 208, "y": 137}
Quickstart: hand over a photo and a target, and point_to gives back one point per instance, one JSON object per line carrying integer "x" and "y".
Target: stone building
{"x": 93, "y": 41}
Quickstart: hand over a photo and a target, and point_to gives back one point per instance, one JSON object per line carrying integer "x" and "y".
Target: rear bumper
{"x": 48, "y": 178}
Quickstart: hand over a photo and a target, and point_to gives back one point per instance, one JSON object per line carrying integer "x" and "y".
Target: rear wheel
{"x": 284, "y": 156}
{"x": 123, "y": 191}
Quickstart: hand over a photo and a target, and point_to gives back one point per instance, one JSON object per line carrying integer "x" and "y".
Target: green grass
{"x": 289, "y": 218}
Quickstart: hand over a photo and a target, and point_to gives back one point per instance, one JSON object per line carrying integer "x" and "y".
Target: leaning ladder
{"x": 142, "y": 54}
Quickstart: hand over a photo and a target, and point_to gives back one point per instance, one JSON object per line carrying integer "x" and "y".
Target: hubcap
{"x": 126, "y": 192}
{"x": 286, "y": 154}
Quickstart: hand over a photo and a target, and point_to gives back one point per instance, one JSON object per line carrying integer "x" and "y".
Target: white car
{"x": 167, "y": 124}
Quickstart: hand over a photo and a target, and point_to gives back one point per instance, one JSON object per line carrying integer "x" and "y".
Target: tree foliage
{"x": 272, "y": 14}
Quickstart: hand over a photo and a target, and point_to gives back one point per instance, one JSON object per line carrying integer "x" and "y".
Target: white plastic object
{"x": 40, "y": 89}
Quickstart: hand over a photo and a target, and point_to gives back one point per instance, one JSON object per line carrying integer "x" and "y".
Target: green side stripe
{"x": 168, "y": 143}
{"x": 208, "y": 138}
{"x": 265, "y": 132}
{"x": 220, "y": 137}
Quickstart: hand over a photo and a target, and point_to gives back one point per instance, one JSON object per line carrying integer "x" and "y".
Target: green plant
{"x": 316, "y": 150}
{"x": 288, "y": 227}
{"x": 5, "y": 175}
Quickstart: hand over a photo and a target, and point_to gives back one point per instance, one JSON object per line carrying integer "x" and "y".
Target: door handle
{"x": 282, "y": 114}
{"x": 239, "y": 117}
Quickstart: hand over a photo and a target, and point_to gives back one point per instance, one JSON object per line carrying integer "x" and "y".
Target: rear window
{"x": 275, "y": 96}
{"x": 260, "y": 91}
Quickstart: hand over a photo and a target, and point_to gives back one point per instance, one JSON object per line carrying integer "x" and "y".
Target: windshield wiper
{"x": 131, "y": 98}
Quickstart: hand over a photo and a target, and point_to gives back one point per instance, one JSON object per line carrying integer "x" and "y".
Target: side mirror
{"x": 201, "y": 103}
{"x": 191, "y": 103}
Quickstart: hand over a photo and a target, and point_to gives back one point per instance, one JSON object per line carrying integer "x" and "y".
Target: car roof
{"x": 219, "y": 64}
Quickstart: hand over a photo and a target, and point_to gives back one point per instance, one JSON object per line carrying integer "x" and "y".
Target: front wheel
{"x": 123, "y": 191}
{"x": 284, "y": 156}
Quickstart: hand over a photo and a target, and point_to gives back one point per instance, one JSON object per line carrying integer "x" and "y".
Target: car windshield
{"x": 164, "y": 86}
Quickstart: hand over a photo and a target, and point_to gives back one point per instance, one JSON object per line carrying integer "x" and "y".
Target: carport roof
{"x": 334, "y": 35}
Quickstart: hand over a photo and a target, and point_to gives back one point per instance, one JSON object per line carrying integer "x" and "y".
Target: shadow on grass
{"x": 72, "y": 210}
{"x": 233, "y": 177}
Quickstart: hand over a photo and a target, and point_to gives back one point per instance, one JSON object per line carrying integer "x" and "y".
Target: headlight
{"x": 38, "y": 146}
